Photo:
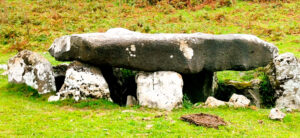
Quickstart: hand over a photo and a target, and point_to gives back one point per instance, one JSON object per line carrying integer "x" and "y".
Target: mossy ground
{"x": 34, "y": 25}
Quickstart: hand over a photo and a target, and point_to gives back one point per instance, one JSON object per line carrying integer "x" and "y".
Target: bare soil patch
{"x": 206, "y": 120}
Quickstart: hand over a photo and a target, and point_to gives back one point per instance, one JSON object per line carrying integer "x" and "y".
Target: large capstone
{"x": 162, "y": 89}
{"x": 183, "y": 53}
{"x": 82, "y": 81}
{"x": 287, "y": 70}
{"x": 32, "y": 69}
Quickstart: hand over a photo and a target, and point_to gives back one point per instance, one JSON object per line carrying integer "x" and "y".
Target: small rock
{"x": 276, "y": 114}
{"x": 289, "y": 110}
{"x": 239, "y": 100}
{"x": 213, "y": 102}
{"x": 128, "y": 111}
{"x": 131, "y": 101}
{"x": 53, "y": 98}
{"x": 149, "y": 126}
{"x": 146, "y": 118}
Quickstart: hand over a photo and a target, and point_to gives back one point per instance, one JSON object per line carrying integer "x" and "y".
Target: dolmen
{"x": 164, "y": 65}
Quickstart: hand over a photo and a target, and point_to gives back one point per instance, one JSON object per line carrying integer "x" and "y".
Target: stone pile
{"x": 165, "y": 65}
{"x": 235, "y": 100}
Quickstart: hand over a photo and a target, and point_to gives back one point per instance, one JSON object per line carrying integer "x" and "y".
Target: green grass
{"x": 34, "y": 25}
{"x": 23, "y": 113}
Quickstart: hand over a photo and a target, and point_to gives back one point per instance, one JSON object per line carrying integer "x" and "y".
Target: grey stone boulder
{"x": 131, "y": 101}
{"x": 162, "y": 89}
{"x": 287, "y": 81}
{"x": 32, "y": 69}
{"x": 239, "y": 101}
{"x": 276, "y": 114}
{"x": 82, "y": 81}
{"x": 213, "y": 102}
{"x": 183, "y": 53}
{"x": 250, "y": 89}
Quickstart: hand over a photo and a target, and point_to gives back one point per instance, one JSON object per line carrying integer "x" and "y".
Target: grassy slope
{"x": 22, "y": 113}
{"x": 37, "y": 24}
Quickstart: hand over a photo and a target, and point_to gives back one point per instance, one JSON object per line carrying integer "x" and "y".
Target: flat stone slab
{"x": 183, "y": 53}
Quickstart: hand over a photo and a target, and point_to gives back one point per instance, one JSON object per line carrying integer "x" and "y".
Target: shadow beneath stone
{"x": 121, "y": 83}
{"x": 59, "y": 81}
{"x": 198, "y": 86}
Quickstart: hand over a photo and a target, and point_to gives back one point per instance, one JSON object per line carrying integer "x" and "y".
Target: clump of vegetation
{"x": 186, "y": 102}
{"x": 267, "y": 92}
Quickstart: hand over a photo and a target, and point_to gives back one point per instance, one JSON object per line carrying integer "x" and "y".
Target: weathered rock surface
{"x": 287, "y": 68}
{"x": 162, "y": 89}
{"x": 213, "y": 102}
{"x": 183, "y": 53}
{"x": 60, "y": 70}
{"x": 83, "y": 81}
{"x": 32, "y": 69}
{"x": 276, "y": 114}
{"x": 131, "y": 101}
{"x": 239, "y": 100}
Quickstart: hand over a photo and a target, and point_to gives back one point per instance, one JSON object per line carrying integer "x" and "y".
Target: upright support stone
{"x": 32, "y": 69}
{"x": 287, "y": 68}
{"x": 82, "y": 81}
{"x": 162, "y": 89}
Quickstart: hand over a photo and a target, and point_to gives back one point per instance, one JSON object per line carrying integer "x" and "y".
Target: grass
{"x": 34, "y": 25}
{"x": 23, "y": 113}
{"x": 38, "y": 23}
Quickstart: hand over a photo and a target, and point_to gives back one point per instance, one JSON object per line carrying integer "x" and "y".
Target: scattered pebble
{"x": 289, "y": 110}
{"x": 128, "y": 111}
{"x": 146, "y": 118}
{"x": 149, "y": 126}
{"x": 260, "y": 121}
{"x": 276, "y": 114}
